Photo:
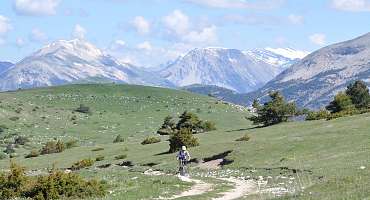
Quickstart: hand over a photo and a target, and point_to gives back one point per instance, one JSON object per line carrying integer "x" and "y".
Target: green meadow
{"x": 303, "y": 160}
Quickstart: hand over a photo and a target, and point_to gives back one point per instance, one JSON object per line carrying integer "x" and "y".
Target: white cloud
{"x": 179, "y": 25}
{"x": 208, "y": 35}
{"x": 79, "y": 32}
{"x": 177, "y": 22}
{"x": 318, "y": 39}
{"x": 240, "y": 4}
{"x": 36, "y": 7}
{"x": 296, "y": 19}
{"x": 20, "y": 42}
{"x": 141, "y": 25}
{"x": 351, "y": 5}
{"x": 117, "y": 45}
{"x": 38, "y": 36}
{"x": 144, "y": 46}
{"x": 5, "y": 25}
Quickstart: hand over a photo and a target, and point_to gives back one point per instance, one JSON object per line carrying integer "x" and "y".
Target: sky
{"x": 148, "y": 33}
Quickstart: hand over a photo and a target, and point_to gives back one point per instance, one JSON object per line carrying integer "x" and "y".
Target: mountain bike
{"x": 183, "y": 171}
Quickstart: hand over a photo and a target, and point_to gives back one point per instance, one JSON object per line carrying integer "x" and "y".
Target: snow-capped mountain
{"x": 282, "y": 58}
{"x": 313, "y": 81}
{"x": 65, "y": 62}
{"x": 5, "y": 66}
{"x": 229, "y": 68}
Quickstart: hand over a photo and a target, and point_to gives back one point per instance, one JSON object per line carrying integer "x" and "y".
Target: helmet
{"x": 183, "y": 148}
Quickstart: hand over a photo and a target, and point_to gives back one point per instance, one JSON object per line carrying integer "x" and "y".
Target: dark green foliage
{"x": 189, "y": 121}
{"x": 119, "y": 139}
{"x": 183, "y": 137}
{"x": 82, "y": 164}
{"x": 120, "y": 157}
{"x": 99, "y": 158}
{"x": 83, "y": 109}
{"x": 168, "y": 126}
{"x": 56, "y": 185}
{"x": 14, "y": 119}
{"x": 53, "y": 147}
{"x": 34, "y": 153}
{"x": 244, "y": 138}
{"x": 321, "y": 114}
{"x": 341, "y": 102}
{"x": 98, "y": 149}
{"x": 359, "y": 94}
{"x": 151, "y": 140}
{"x": 21, "y": 140}
{"x": 275, "y": 111}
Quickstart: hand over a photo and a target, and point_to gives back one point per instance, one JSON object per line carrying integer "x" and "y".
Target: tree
{"x": 275, "y": 111}
{"x": 256, "y": 105}
{"x": 341, "y": 102}
{"x": 168, "y": 126}
{"x": 184, "y": 137}
{"x": 359, "y": 94}
{"x": 188, "y": 120}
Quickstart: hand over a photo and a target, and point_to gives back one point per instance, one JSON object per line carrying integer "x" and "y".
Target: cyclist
{"x": 183, "y": 157}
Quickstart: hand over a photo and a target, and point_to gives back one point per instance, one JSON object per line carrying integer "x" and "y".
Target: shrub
{"x": 244, "y": 138}
{"x": 82, "y": 164}
{"x": 99, "y": 158}
{"x": 340, "y": 103}
{"x": 13, "y": 155}
{"x": 118, "y": 139}
{"x": 70, "y": 144}
{"x": 21, "y": 140}
{"x": 83, "y": 109}
{"x": 9, "y": 149}
{"x": 53, "y": 147}
{"x": 321, "y": 114}
{"x": 359, "y": 94}
{"x": 151, "y": 140}
{"x": 208, "y": 126}
{"x": 14, "y": 119}
{"x": 188, "y": 120}
{"x": 56, "y": 185}
{"x": 98, "y": 149}
{"x": 34, "y": 153}
{"x": 120, "y": 157}
{"x": 184, "y": 137}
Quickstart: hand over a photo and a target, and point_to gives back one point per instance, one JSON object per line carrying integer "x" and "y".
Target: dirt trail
{"x": 200, "y": 187}
{"x": 241, "y": 188}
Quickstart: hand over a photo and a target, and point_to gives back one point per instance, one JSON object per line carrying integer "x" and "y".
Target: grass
{"x": 315, "y": 159}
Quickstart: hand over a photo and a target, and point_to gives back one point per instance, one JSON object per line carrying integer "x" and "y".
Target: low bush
{"x": 244, "y": 138}
{"x": 52, "y": 147}
{"x": 207, "y": 126}
{"x": 99, "y": 158}
{"x": 151, "y": 140}
{"x": 3, "y": 128}
{"x": 14, "y": 119}
{"x": 56, "y": 185}
{"x": 120, "y": 157}
{"x": 98, "y": 149}
{"x": 82, "y": 164}
{"x": 321, "y": 114}
{"x": 21, "y": 140}
{"x": 34, "y": 153}
{"x": 83, "y": 109}
{"x": 10, "y": 148}
{"x": 118, "y": 139}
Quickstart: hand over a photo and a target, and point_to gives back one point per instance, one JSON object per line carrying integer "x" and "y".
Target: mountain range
{"x": 313, "y": 81}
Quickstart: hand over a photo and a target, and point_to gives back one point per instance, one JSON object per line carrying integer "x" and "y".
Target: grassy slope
{"x": 334, "y": 151}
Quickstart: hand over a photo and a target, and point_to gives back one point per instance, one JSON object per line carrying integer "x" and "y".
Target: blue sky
{"x": 150, "y": 32}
